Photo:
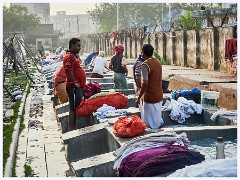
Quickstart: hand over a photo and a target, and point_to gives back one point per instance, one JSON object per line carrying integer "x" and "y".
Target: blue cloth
{"x": 139, "y": 59}
{"x": 184, "y": 93}
{"x": 88, "y": 59}
{"x": 17, "y": 92}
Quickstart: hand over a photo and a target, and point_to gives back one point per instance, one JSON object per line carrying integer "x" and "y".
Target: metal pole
{"x": 162, "y": 14}
{"x": 170, "y": 11}
{"x": 69, "y": 26}
{"x": 96, "y": 17}
{"x": 117, "y": 17}
{"x": 77, "y": 24}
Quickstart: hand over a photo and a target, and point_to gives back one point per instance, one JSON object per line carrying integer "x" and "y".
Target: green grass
{"x": 28, "y": 170}
{"x": 7, "y": 139}
{"x": 8, "y": 129}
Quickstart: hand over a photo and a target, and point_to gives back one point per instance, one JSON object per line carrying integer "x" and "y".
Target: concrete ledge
{"x": 73, "y": 134}
{"x": 210, "y": 132}
{"x": 106, "y": 86}
{"x": 63, "y": 119}
{"x": 81, "y": 122}
{"x": 96, "y": 166}
{"x": 97, "y": 138}
{"x": 220, "y": 121}
{"x": 126, "y": 92}
{"x": 62, "y": 108}
{"x": 101, "y": 80}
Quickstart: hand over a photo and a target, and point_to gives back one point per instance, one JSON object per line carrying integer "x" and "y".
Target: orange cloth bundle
{"x": 129, "y": 126}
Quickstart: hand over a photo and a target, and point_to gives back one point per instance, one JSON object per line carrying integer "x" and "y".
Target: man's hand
{"x": 77, "y": 85}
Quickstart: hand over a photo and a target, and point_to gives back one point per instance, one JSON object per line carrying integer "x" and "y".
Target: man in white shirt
{"x": 99, "y": 63}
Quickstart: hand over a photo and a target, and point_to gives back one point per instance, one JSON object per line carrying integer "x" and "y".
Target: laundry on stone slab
{"x": 181, "y": 109}
{"x": 155, "y": 154}
{"x": 223, "y": 113}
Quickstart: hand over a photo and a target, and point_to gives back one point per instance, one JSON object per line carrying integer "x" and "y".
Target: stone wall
{"x": 203, "y": 48}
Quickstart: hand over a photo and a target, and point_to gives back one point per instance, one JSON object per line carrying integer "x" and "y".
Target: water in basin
{"x": 207, "y": 148}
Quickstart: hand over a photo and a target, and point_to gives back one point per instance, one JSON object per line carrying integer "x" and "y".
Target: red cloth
{"x": 118, "y": 48}
{"x": 96, "y": 75}
{"x": 230, "y": 49}
{"x": 88, "y": 106}
{"x": 72, "y": 63}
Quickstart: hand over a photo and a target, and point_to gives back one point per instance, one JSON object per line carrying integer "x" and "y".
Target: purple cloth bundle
{"x": 159, "y": 160}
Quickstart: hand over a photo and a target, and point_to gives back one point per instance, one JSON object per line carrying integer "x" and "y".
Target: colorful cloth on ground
{"x": 129, "y": 126}
{"x": 193, "y": 94}
{"x": 96, "y": 75}
{"x": 159, "y": 160}
{"x": 182, "y": 109}
{"x": 148, "y": 141}
{"x": 91, "y": 89}
{"x": 88, "y": 106}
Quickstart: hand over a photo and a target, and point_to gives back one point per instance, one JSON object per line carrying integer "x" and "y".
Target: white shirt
{"x": 99, "y": 65}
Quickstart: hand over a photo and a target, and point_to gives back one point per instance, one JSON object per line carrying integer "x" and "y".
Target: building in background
{"x": 73, "y": 24}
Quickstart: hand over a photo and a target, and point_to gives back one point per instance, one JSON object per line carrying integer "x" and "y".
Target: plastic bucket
{"x": 209, "y": 98}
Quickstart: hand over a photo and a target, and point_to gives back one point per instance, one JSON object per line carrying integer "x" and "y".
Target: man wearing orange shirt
{"x": 76, "y": 80}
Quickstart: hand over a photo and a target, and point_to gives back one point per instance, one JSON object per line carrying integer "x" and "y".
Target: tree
{"x": 140, "y": 14}
{"x": 17, "y": 19}
{"x": 56, "y": 38}
{"x": 188, "y": 23}
{"x": 130, "y": 15}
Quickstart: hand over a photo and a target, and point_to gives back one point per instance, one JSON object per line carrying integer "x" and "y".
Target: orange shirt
{"x": 60, "y": 77}
{"x": 72, "y": 63}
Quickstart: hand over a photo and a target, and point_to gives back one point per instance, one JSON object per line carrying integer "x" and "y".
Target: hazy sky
{"x": 71, "y": 8}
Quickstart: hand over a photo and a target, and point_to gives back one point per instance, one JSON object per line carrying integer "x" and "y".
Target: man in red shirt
{"x": 76, "y": 80}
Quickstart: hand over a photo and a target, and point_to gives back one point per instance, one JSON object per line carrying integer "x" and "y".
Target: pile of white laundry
{"x": 105, "y": 112}
{"x": 181, "y": 109}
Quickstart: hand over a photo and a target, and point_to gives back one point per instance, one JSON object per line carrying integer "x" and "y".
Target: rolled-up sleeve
{"x": 145, "y": 71}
